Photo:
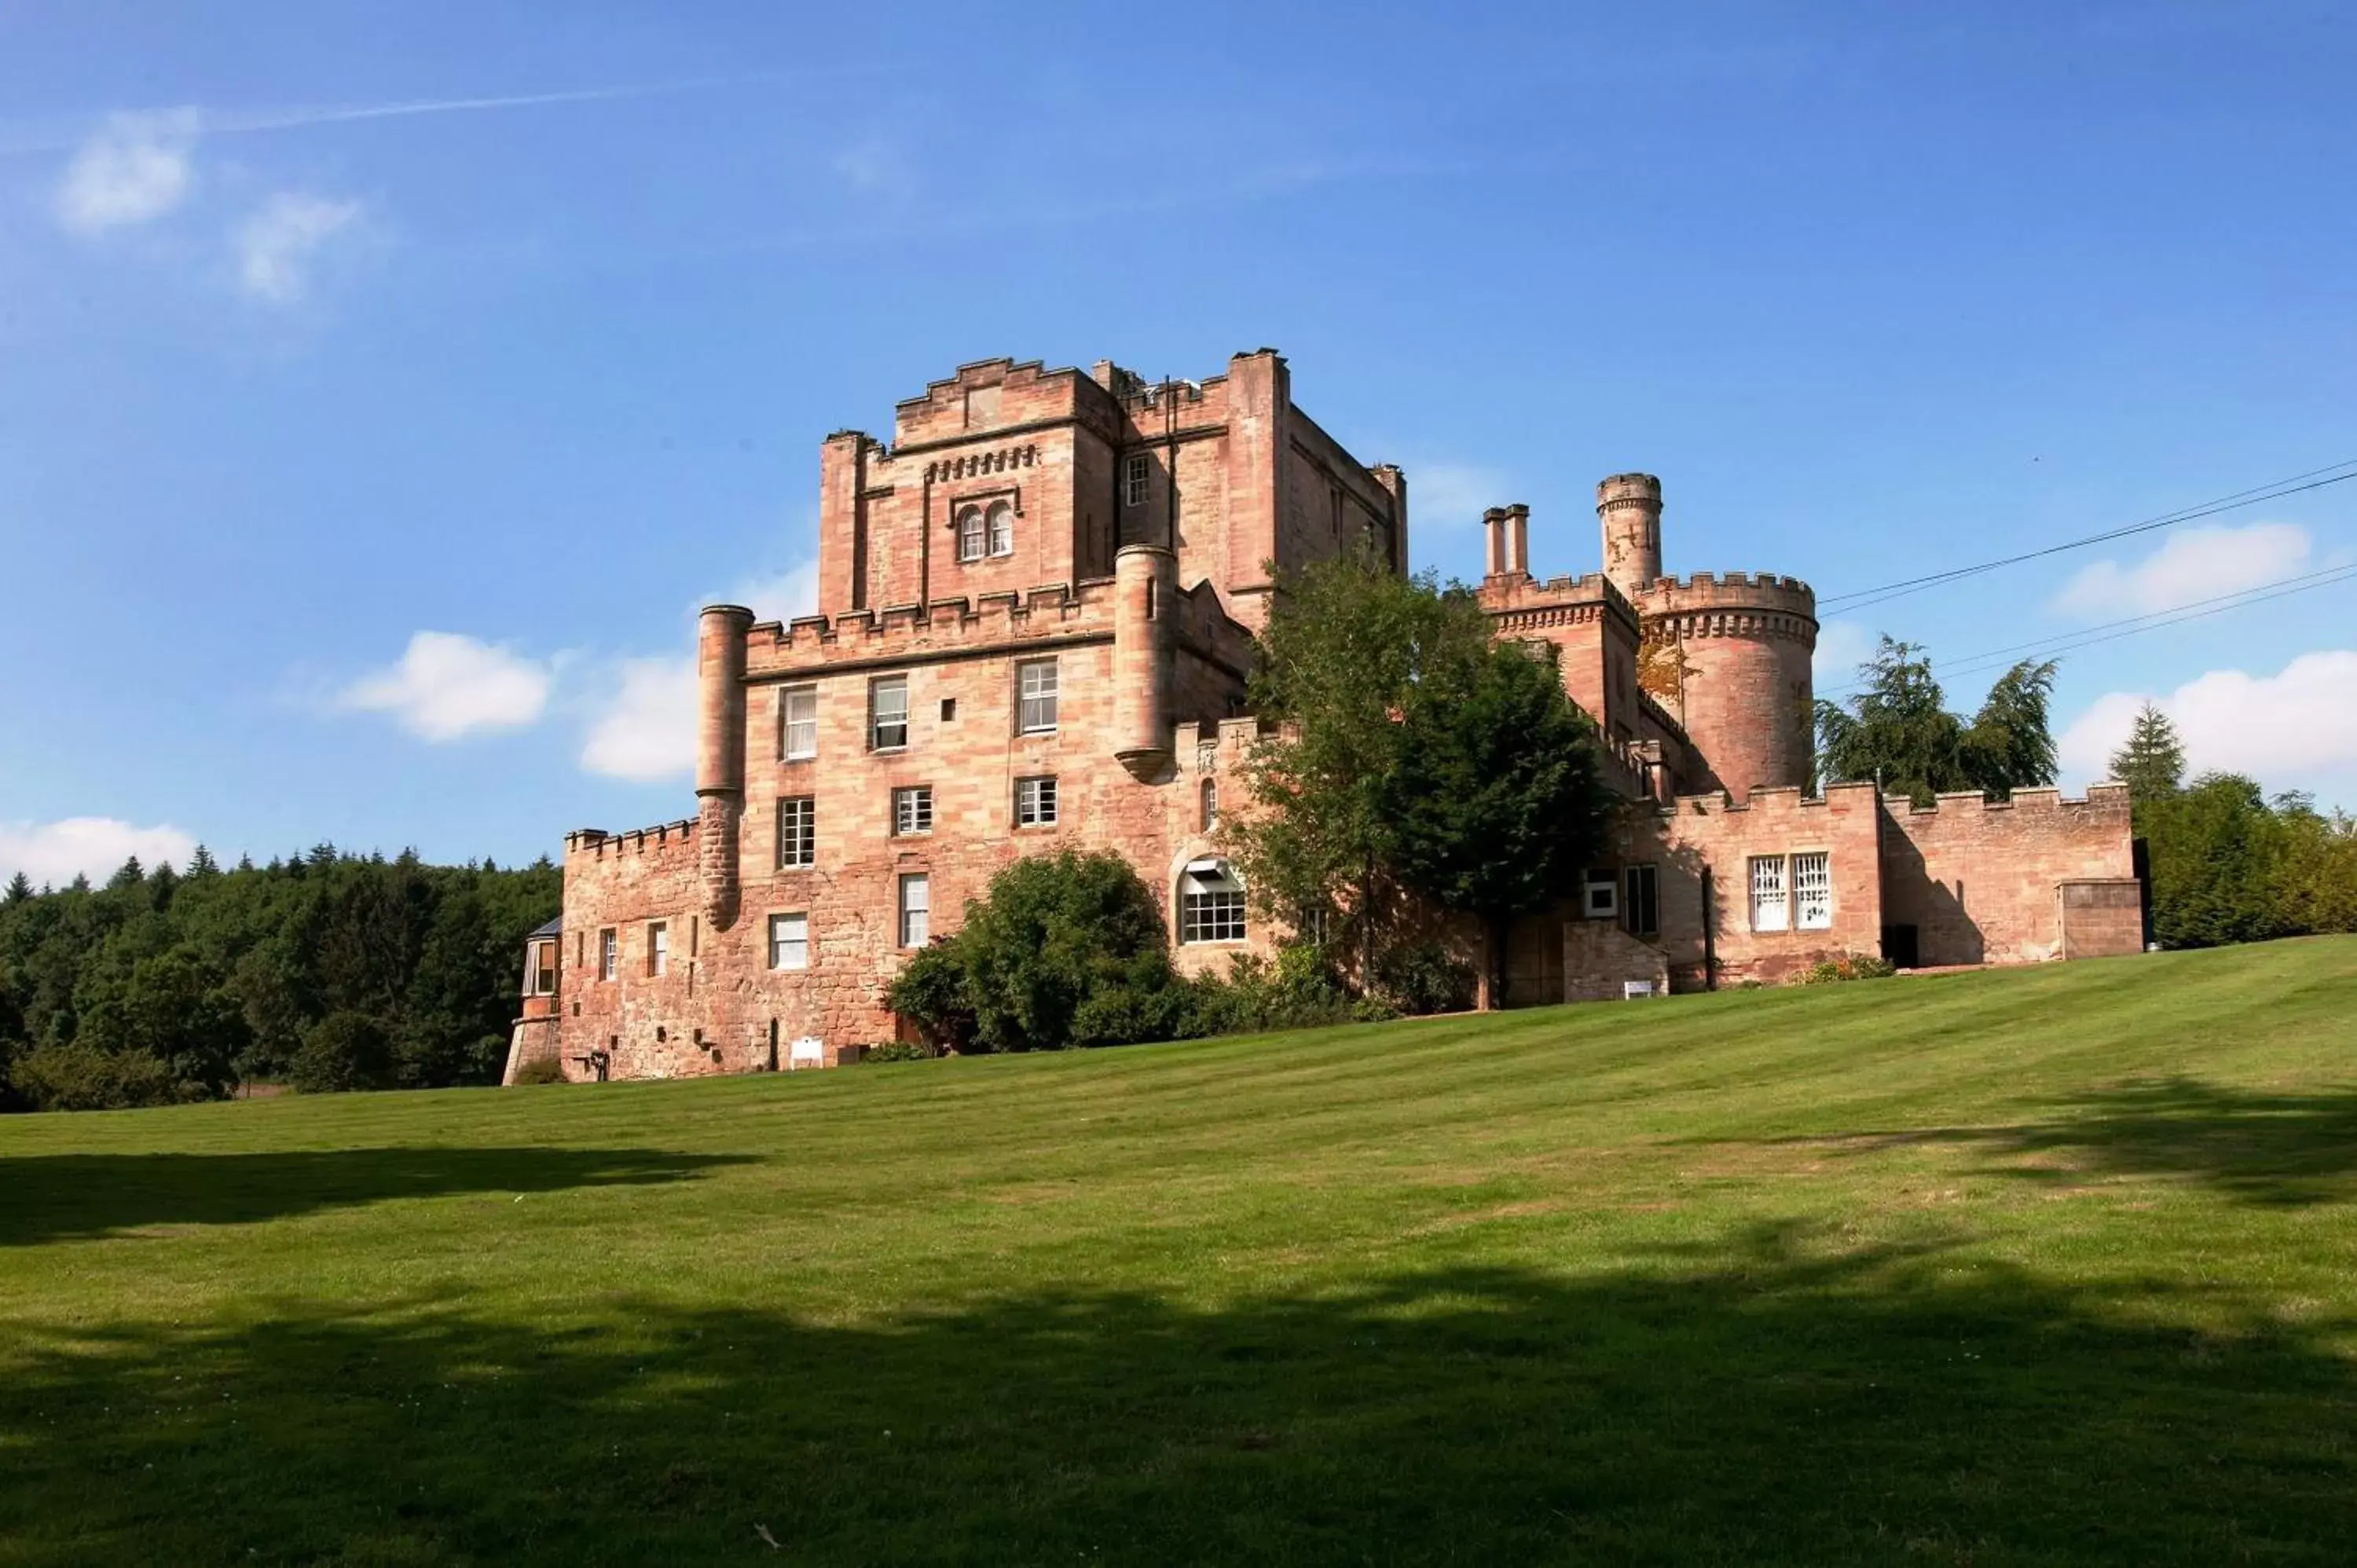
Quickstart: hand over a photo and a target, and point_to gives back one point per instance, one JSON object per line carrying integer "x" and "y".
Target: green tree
{"x": 1494, "y": 804}
{"x": 2216, "y": 855}
{"x": 2152, "y": 762}
{"x": 1346, "y": 648}
{"x": 20, "y": 887}
{"x": 1898, "y": 731}
{"x": 343, "y": 1051}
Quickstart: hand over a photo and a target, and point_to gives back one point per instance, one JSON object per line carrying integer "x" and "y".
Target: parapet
{"x": 1506, "y": 596}
{"x": 1214, "y": 749}
{"x": 662, "y": 839}
{"x": 1769, "y": 800}
{"x": 978, "y": 621}
{"x": 2101, "y": 799}
{"x": 1765, "y": 604}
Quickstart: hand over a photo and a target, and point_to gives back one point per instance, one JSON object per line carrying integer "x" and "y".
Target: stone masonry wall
{"x": 1980, "y": 881}
{"x": 1704, "y": 833}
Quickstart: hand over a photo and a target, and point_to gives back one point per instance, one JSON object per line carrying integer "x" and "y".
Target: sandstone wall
{"x": 1981, "y": 882}
{"x": 1697, "y": 833}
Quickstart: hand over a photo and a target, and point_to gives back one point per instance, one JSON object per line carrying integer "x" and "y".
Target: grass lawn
{"x": 2048, "y": 1266}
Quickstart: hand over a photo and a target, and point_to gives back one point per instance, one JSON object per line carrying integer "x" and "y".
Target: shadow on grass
{"x": 1758, "y": 1405}
{"x": 2256, "y": 1147}
{"x": 52, "y": 1198}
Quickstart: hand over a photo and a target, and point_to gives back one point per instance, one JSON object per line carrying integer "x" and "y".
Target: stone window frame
{"x": 1207, "y": 806}
{"x": 788, "y": 723}
{"x": 1768, "y": 893}
{"x": 1137, "y": 478}
{"x": 609, "y": 952}
{"x": 1812, "y": 906}
{"x": 1212, "y": 904}
{"x": 801, "y": 834}
{"x": 1042, "y": 810}
{"x": 916, "y": 932}
{"x": 658, "y": 948}
{"x": 912, "y": 809}
{"x": 877, "y": 686}
{"x": 992, "y": 514}
{"x": 779, "y": 946}
{"x": 1051, "y": 695}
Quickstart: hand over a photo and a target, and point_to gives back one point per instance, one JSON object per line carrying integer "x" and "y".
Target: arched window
{"x": 969, "y": 532}
{"x": 1210, "y": 804}
{"x": 1210, "y": 903}
{"x": 1002, "y": 530}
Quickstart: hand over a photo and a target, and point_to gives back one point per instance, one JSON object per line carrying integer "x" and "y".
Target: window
{"x": 1812, "y": 892}
{"x": 888, "y": 713}
{"x": 949, "y": 710}
{"x": 1035, "y": 802}
{"x": 609, "y": 953}
{"x": 969, "y": 534}
{"x": 1034, "y": 685}
{"x": 1640, "y": 906}
{"x": 1210, "y": 817}
{"x": 916, "y": 909}
{"x": 1769, "y": 910}
{"x": 912, "y": 809}
{"x": 1002, "y": 530}
{"x": 790, "y": 942}
{"x": 658, "y": 948}
{"x": 798, "y": 723}
{"x": 1210, "y": 903}
{"x": 540, "y": 970}
{"x": 1600, "y": 896}
{"x": 797, "y": 832}
{"x": 1137, "y": 479}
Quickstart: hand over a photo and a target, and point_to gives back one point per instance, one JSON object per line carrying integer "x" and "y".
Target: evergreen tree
{"x": 202, "y": 864}
{"x": 2152, "y": 762}
{"x": 20, "y": 887}
{"x": 1898, "y": 731}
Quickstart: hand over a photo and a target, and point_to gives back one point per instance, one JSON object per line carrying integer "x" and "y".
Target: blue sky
{"x": 381, "y": 388}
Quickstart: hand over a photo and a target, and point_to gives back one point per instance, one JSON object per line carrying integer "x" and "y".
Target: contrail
{"x": 234, "y": 121}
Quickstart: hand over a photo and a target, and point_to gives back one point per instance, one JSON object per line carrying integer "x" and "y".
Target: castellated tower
{"x": 1727, "y": 655}
{"x": 1630, "y": 507}
{"x": 720, "y": 755}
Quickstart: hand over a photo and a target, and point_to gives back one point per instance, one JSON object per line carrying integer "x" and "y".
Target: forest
{"x": 323, "y": 971}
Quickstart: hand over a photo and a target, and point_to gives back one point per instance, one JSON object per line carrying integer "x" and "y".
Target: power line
{"x": 2275, "y": 490}
{"x": 2110, "y": 631}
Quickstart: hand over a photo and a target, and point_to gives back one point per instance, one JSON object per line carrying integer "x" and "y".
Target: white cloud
{"x": 134, "y": 169}
{"x": 779, "y": 597}
{"x": 56, "y": 853}
{"x": 2285, "y": 729}
{"x": 1842, "y": 647}
{"x": 646, "y": 732}
{"x": 276, "y": 244}
{"x": 1453, "y": 494}
{"x": 2192, "y": 564}
{"x": 447, "y": 685}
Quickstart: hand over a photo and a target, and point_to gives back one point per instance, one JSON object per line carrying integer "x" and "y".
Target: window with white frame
{"x": 1812, "y": 892}
{"x": 1035, "y": 802}
{"x": 797, "y": 832}
{"x": 609, "y": 953}
{"x": 1769, "y": 909}
{"x": 916, "y": 909}
{"x": 912, "y": 809}
{"x": 1210, "y": 903}
{"x": 1210, "y": 815}
{"x": 1137, "y": 478}
{"x": 1035, "y": 687}
{"x": 969, "y": 534}
{"x": 888, "y": 713}
{"x": 1002, "y": 529}
{"x": 658, "y": 948}
{"x": 790, "y": 942}
{"x": 798, "y": 723}
{"x": 539, "y": 970}
{"x": 1600, "y": 896}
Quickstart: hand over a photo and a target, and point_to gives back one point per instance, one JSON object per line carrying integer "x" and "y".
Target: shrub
{"x": 930, "y": 992}
{"x": 1424, "y": 977}
{"x": 541, "y": 1069}
{"x": 1849, "y": 966}
{"x": 894, "y": 1051}
{"x": 82, "y": 1077}
{"x": 343, "y": 1051}
{"x": 1298, "y": 991}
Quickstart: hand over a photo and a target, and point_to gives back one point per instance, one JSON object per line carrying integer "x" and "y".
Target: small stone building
{"x": 1037, "y": 611}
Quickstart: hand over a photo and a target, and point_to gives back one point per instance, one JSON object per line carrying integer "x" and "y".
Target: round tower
{"x": 1146, "y": 586}
{"x": 1742, "y": 689}
{"x": 720, "y": 754}
{"x": 1628, "y": 506}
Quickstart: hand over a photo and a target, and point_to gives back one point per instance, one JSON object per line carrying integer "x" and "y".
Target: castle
{"x": 1036, "y": 612}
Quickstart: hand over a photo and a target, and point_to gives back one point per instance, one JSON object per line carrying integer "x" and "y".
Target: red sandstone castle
{"x": 1036, "y": 610}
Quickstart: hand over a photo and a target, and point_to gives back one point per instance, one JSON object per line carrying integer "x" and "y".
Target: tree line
{"x": 326, "y": 970}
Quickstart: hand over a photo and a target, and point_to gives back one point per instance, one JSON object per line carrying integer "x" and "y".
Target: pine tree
{"x": 20, "y": 887}
{"x": 2152, "y": 763}
{"x": 201, "y": 862}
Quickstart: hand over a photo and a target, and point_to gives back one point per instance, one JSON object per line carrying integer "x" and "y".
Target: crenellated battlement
{"x": 662, "y": 840}
{"x": 1780, "y": 800}
{"x": 1733, "y": 604}
{"x": 2103, "y": 800}
{"x": 1219, "y": 751}
{"x": 1594, "y": 592}
{"x": 1049, "y": 610}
